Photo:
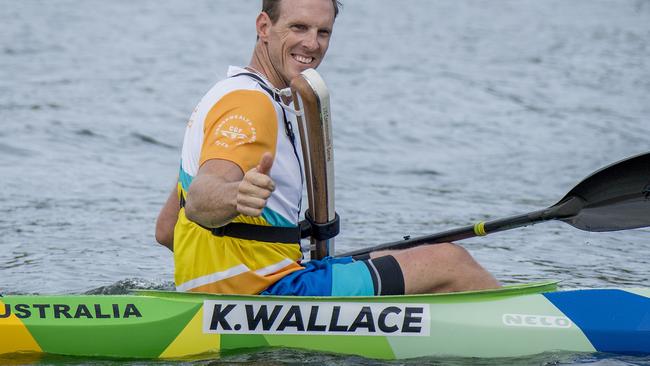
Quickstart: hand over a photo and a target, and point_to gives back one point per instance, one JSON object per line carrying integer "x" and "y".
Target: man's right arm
{"x": 212, "y": 197}
{"x": 221, "y": 191}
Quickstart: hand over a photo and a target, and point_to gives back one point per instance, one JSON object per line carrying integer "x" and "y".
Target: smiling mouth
{"x": 303, "y": 59}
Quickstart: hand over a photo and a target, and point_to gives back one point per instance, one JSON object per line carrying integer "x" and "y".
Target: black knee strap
{"x": 387, "y": 276}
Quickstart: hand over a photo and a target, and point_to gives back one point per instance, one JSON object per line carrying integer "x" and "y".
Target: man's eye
{"x": 299, "y": 27}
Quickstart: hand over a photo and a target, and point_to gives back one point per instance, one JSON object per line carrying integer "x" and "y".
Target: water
{"x": 444, "y": 113}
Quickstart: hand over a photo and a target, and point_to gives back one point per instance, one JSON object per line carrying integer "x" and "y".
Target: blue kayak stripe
{"x": 614, "y": 321}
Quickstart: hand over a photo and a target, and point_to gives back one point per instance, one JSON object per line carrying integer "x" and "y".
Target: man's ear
{"x": 263, "y": 26}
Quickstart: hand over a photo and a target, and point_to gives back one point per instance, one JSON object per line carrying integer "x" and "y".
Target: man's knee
{"x": 457, "y": 253}
{"x": 447, "y": 253}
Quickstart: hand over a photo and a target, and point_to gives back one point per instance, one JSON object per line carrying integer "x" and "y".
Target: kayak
{"x": 516, "y": 320}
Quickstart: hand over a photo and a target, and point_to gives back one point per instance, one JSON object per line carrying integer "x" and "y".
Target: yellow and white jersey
{"x": 238, "y": 121}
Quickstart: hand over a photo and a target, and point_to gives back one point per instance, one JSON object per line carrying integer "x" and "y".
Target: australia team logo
{"x": 235, "y": 130}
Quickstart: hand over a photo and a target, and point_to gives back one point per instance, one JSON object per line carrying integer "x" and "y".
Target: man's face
{"x": 300, "y": 37}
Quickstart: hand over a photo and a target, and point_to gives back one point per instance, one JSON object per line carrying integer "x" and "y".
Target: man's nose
{"x": 310, "y": 41}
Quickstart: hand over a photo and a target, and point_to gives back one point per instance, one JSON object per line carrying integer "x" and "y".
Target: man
{"x": 240, "y": 185}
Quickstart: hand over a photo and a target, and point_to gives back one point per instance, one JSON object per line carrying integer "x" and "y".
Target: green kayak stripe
{"x": 366, "y": 346}
{"x": 509, "y": 290}
{"x": 108, "y": 326}
{"x": 239, "y": 341}
{"x": 485, "y": 329}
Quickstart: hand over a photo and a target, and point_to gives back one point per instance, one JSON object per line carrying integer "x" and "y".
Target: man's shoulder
{"x": 235, "y": 85}
{"x": 238, "y": 93}
{"x": 236, "y": 82}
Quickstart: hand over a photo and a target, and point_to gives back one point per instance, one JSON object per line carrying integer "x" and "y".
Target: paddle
{"x": 613, "y": 198}
{"x": 311, "y": 97}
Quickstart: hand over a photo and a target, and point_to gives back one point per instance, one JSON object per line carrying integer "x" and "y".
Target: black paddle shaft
{"x": 616, "y": 197}
{"x": 565, "y": 210}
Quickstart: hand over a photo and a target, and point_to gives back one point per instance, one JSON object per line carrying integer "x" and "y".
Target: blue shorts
{"x": 342, "y": 277}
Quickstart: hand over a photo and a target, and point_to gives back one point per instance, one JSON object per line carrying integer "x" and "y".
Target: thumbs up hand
{"x": 255, "y": 188}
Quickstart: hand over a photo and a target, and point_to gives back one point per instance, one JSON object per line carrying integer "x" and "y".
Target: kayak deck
{"x": 512, "y": 321}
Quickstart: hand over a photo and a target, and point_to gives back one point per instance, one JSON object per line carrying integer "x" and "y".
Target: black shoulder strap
{"x": 262, "y": 83}
{"x": 288, "y": 128}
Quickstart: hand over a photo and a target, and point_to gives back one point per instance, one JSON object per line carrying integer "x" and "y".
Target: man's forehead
{"x": 320, "y": 11}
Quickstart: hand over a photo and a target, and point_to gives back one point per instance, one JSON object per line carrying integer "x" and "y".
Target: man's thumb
{"x": 265, "y": 164}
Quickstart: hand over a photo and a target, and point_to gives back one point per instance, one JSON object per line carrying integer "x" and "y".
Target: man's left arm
{"x": 167, "y": 220}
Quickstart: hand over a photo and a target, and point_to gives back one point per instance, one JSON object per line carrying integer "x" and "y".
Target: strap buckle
{"x": 318, "y": 231}
{"x": 219, "y": 231}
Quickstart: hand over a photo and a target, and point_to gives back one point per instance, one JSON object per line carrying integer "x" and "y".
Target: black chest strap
{"x": 276, "y": 234}
{"x": 268, "y": 234}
